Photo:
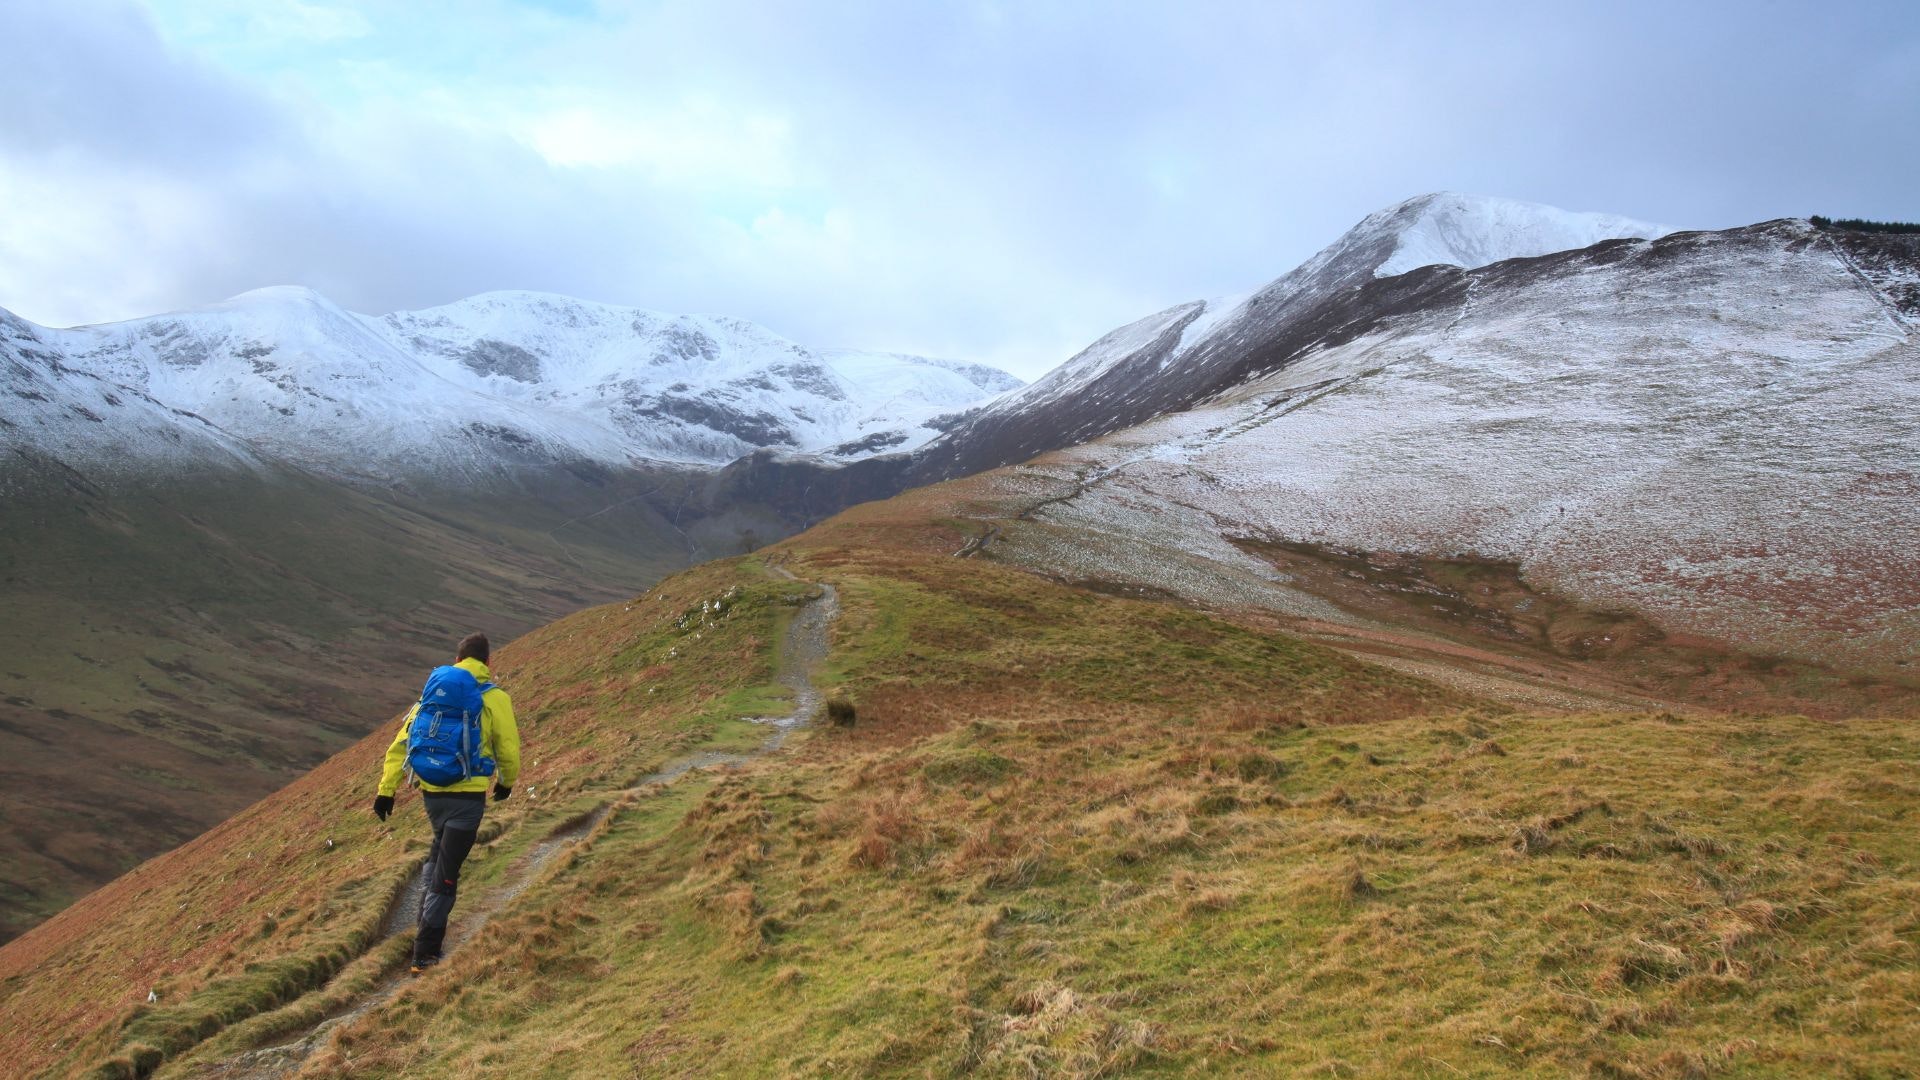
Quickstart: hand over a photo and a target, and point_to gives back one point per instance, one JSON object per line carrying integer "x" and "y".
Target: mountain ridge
{"x": 1172, "y": 358}
{"x": 482, "y": 383}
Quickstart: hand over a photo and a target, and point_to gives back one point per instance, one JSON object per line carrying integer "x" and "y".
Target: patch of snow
{"x": 1472, "y": 231}
{"x": 1213, "y": 314}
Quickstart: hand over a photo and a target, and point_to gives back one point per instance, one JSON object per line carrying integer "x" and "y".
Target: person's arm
{"x": 506, "y": 739}
{"x": 396, "y": 762}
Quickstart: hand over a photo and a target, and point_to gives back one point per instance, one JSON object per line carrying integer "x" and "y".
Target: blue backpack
{"x": 443, "y": 741}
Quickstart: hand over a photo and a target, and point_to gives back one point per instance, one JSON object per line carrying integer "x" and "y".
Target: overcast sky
{"x": 993, "y": 181}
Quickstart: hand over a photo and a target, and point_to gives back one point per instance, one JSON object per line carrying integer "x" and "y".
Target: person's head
{"x": 474, "y": 647}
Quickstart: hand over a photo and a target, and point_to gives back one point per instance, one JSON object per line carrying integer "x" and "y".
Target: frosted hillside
{"x": 695, "y": 388}
{"x": 1173, "y": 358}
{"x": 1719, "y": 429}
{"x": 467, "y": 389}
{"x": 90, "y": 421}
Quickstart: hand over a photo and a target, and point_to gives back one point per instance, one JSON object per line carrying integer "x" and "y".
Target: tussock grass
{"x": 300, "y": 1016}
{"x": 149, "y": 1036}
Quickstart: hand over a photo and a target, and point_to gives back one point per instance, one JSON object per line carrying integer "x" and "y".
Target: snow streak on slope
{"x": 1722, "y": 430}
{"x": 468, "y": 389}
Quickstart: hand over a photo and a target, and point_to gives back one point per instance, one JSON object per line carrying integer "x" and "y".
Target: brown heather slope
{"x": 1068, "y": 833}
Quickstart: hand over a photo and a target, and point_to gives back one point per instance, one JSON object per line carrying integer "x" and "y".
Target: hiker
{"x": 465, "y": 740}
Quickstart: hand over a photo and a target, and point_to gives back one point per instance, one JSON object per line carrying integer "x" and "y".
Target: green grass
{"x": 351, "y": 920}
{"x": 1513, "y": 913}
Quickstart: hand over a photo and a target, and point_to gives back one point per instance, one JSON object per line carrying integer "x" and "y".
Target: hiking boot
{"x": 420, "y": 966}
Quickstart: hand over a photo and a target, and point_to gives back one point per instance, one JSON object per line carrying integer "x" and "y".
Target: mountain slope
{"x": 1179, "y": 356}
{"x": 1065, "y": 832}
{"x": 89, "y": 421}
{"x": 178, "y": 649}
{"x": 1717, "y": 431}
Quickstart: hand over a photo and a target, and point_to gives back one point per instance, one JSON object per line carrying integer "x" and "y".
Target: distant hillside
{"x": 178, "y": 649}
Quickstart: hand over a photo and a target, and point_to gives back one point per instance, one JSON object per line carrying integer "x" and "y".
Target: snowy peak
{"x": 483, "y": 384}
{"x": 271, "y": 296}
{"x": 1719, "y": 429}
{"x": 1176, "y": 357}
{"x": 704, "y": 388}
{"x": 1179, "y": 356}
{"x": 1450, "y": 229}
{"x": 1472, "y": 231}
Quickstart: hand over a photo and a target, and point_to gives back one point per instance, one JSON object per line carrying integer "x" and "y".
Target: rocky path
{"x": 805, "y": 647}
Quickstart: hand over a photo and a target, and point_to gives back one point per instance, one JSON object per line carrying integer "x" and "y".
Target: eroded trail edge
{"x": 804, "y": 647}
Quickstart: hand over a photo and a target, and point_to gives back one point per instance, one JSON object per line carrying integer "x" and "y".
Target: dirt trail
{"x": 804, "y": 648}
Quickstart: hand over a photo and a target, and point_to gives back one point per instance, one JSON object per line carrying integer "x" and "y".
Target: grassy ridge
{"x": 1073, "y": 835}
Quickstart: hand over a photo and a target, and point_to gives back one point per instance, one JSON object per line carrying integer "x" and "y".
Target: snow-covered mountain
{"x": 458, "y": 391}
{"x": 1719, "y": 430}
{"x": 703, "y": 389}
{"x": 1175, "y": 357}
{"x": 92, "y": 420}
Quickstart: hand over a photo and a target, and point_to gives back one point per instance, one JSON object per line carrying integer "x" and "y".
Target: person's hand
{"x": 382, "y": 806}
{"x": 500, "y": 792}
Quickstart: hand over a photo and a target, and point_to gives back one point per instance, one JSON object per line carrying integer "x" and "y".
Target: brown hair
{"x": 473, "y": 646}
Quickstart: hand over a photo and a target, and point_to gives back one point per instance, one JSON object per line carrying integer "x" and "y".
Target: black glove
{"x": 500, "y": 792}
{"x": 382, "y": 806}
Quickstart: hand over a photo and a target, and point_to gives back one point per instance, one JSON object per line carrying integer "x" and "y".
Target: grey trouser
{"x": 456, "y": 825}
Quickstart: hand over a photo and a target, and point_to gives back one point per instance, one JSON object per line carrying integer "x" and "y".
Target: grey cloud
{"x": 1013, "y": 179}
{"x": 90, "y": 77}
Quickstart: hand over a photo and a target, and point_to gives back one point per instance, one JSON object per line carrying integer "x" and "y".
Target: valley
{"x": 177, "y": 651}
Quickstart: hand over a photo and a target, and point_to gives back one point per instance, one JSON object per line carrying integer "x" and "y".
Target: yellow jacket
{"x": 499, "y": 740}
